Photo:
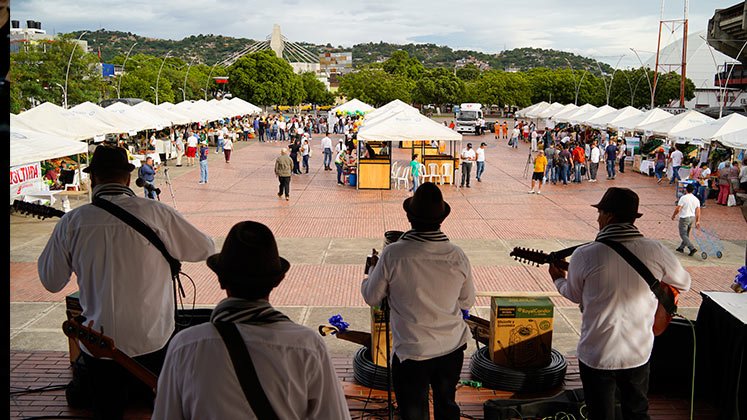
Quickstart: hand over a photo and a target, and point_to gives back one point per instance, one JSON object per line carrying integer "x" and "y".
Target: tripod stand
{"x": 168, "y": 182}
{"x": 528, "y": 164}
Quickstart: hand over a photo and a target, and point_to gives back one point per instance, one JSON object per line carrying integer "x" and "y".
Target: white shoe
{"x": 530, "y": 192}
{"x": 538, "y": 192}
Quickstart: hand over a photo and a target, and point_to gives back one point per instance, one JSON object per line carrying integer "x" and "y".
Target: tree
{"x": 468, "y": 72}
{"x": 376, "y": 86}
{"x": 400, "y": 63}
{"x": 314, "y": 91}
{"x": 668, "y": 89}
{"x": 265, "y": 79}
{"x": 503, "y": 88}
{"x": 438, "y": 86}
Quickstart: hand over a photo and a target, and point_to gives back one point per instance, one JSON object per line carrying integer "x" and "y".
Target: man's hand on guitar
{"x": 557, "y": 272}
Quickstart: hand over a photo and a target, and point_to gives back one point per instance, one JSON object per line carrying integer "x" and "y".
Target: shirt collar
{"x": 112, "y": 189}
{"x": 430, "y": 236}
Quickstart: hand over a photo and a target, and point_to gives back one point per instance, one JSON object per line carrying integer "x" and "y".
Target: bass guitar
{"x": 37, "y": 210}
{"x": 100, "y": 346}
{"x": 666, "y": 295}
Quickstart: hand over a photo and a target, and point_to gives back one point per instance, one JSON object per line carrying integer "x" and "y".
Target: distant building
{"x": 462, "y": 62}
{"x": 33, "y": 34}
{"x": 336, "y": 62}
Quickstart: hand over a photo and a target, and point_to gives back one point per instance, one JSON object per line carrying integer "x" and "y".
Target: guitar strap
{"x": 653, "y": 284}
{"x": 245, "y": 371}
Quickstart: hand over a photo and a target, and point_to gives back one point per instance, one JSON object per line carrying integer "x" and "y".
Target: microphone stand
{"x": 389, "y": 405}
{"x": 168, "y": 182}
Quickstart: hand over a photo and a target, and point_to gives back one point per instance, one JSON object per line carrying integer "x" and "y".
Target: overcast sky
{"x": 601, "y": 29}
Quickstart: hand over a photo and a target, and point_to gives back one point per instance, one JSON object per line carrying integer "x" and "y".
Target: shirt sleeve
{"x": 55, "y": 262}
{"x": 326, "y": 399}
{"x": 572, "y": 287}
{"x": 467, "y": 294}
{"x": 184, "y": 241}
{"x": 168, "y": 404}
{"x": 674, "y": 274}
{"x": 375, "y": 288}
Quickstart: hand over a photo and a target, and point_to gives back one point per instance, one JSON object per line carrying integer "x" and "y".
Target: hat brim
{"x": 129, "y": 168}
{"x": 216, "y": 263}
{"x": 599, "y": 207}
{"x": 418, "y": 218}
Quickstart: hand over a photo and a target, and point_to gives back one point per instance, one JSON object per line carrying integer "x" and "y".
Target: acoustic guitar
{"x": 100, "y": 346}
{"x": 662, "y": 317}
{"x": 37, "y": 210}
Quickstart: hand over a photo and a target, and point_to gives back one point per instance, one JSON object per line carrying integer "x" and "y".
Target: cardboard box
{"x": 521, "y": 331}
{"x": 378, "y": 337}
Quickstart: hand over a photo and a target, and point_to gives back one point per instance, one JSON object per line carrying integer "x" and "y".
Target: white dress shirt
{"x": 427, "y": 283}
{"x": 198, "y": 380}
{"x": 124, "y": 281}
{"x": 618, "y": 306}
{"x": 326, "y": 143}
{"x": 595, "y": 154}
{"x": 687, "y": 204}
{"x": 468, "y": 155}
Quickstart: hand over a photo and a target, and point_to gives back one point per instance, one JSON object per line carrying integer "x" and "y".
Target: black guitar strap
{"x": 654, "y": 284}
{"x": 245, "y": 371}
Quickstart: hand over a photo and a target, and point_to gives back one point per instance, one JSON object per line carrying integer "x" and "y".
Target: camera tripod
{"x": 168, "y": 182}
{"x": 528, "y": 164}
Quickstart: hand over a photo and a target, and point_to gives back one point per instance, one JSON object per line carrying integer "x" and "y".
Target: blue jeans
{"x": 305, "y": 159}
{"x": 577, "y": 172}
{"x": 150, "y": 194}
{"x": 703, "y": 194}
{"x": 282, "y": 135}
{"x": 339, "y": 172}
{"x": 564, "y": 173}
{"x": 675, "y": 174}
{"x": 203, "y": 171}
{"x": 415, "y": 183}
{"x": 480, "y": 170}
{"x": 659, "y": 170}
{"x": 220, "y": 146}
{"x": 327, "y": 157}
{"x": 611, "y": 168}
{"x": 550, "y": 174}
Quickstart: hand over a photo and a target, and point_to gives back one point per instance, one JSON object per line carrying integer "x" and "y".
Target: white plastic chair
{"x": 422, "y": 174}
{"x": 394, "y": 172}
{"x": 433, "y": 173}
{"x": 404, "y": 176}
{"x": 75, "y": 185}
{"x": 447, "y": 171}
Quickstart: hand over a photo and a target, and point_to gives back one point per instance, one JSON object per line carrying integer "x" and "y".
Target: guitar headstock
{"x": 530, "y": 256}
{"x": 37, "y": 210}
{"x": 95, "y": 341}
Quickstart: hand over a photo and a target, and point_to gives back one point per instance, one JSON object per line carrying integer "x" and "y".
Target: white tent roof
{"x": 50, "y": 118}
{"x": 209, "y": 113}
{"x": 591, "y": 114}
{"x": 523, "y": 112}
{"x": 536, "y": 112}
{"x": 228, "y": 108}
{"x": 245, "y": 107}
{"x": 174, "y": 110}
{"x": 406, "y": 125}
{"x": 388, "y": 109}
{"x": 551, "y": 112}
{"x": 198, "y": 111}
{"x": 669, "y": 126}
{"x": 353, "y": 105}
{"x": 172, "y": 117}
{"x": 602, "y": 121}
{"x": 649, "y": 116}
{"x": 567, "y": 116}
{"x": 28, "y": 146}
{"x": 731, "y": 131}
{"x": 91, "y": 110}
{"x": 140, "y": 120}
{"x": 539, "y": 107}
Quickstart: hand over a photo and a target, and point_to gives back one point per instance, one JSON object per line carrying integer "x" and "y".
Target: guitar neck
{"x": 136, "y": 369}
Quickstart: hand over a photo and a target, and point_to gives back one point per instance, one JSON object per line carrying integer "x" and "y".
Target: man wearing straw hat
{"x": 427, "y": 281}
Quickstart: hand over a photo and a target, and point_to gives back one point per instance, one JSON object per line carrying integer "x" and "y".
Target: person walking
{"x": 203, "y": 162}
{"x": 221, "y": 139}
{"x": 551, "y": 175}
{"x": 468, "y": 156}
{"x": 724, "y": 185}
{"x": 660, "y": 164}
{"x": 480, "y": 160}
{"x": 534, "y": 140}
{"x": 617, "y": 320}
{"x": 675, "y": 158}
{"x": 622, "y": 152}
{"x": 579, "y": 160}
{"x": 179, "y": 146}
{"x": 703, "y": 177}
{"x": 295, "y": 149}
{"x": 327, "y": 151}
{"x": 227, "y": 148}
{"x": 192, "y": 141}
{"x": 340, "y": 162}
{"x": 611, "y": 157}
{"x": 564, "y": 160}
{"x": 284, "y": 170}
{"x": 594, "y": 156}
{"x": 415, "y": 172}
{"x": 427, "y": 283}
{"x": 540, "y": 163}
{"x": 688, "y": 207}
{"x": 305, "y": 153}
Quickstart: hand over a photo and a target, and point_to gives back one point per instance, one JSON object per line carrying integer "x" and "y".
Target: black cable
{"x": 495, "y": 376}
{"x": 366, "y": 372}
{"x": 52, "y": 387}
{"x": 57, "y": 417}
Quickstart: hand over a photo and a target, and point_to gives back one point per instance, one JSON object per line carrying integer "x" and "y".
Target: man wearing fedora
{"x": 284, "y": 171}
{"x": 124, "y": 282}
{"x": 198, "y": 380}
{"x": 427, "y": 281}
{"x": 617, "y": 307}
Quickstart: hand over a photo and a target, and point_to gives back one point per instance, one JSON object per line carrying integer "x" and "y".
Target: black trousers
{"x": 285, "y": 184}
{"x": 601, "y": 386}
{"x": 412, "y": 378}
{"x": 113, "y": 387}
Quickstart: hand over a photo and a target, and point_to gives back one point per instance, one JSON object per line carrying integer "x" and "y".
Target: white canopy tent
{"x": 388, "y": 110}
{"x": 731, "y": 131}
{"x": 166, "y": 115}
{"x": 567, "y": 116}
{"x": 91, "y": 110}
{"x": 600, "y": 122}
{"x": 245, "y": 107}
{"x": 352, "y": 105}
{"x": 208, "y": 112}
{"x": 27, "y": 146}
{"x": 173, "y": 109}
{"x": 668, "y": 126}
{"x": 537, "y": 112}
{"x": 550, "y": 112}
{"x": 591, "y": 114}
{"x": 405, "y": 125}
{"x": 230, "y": 109}
{"x": 140, "y": 121}
{"x": 647, "y": 117}
{"x": 52, "y": 119}
{"x": 536, "y": 109}
{"x": 197, "y": 112}
{"x": 523, "y": 112}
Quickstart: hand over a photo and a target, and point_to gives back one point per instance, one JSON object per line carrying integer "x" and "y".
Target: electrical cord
{"x": 52, "y": 387}
{"x": 494, "y": 376}
{"x": 57, "y": 417}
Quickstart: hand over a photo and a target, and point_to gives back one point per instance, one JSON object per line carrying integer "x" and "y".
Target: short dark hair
{"x": 689, "y": 188}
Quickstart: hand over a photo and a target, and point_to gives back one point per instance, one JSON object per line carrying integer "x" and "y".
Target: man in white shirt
{"x": 675, "y": 158}
{"x": 327, "y": 151}
{"x": 427, "y": 282}
{"x": 688, "y": 208}
{"x": 595, "y": 156}
{"x": 480, "y": 160}
{"x": 617, "y": 307}
{"x": 199, "y": 380}
{"x": 468, "y": 156}
{"x": 125, "y": 283}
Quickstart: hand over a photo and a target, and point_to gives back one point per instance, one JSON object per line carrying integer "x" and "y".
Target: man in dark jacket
{"x": 283, "y": 170}
{"x": 148, "y": 174}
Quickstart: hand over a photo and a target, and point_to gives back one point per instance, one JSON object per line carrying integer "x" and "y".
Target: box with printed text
{"x": 521, "y": 331}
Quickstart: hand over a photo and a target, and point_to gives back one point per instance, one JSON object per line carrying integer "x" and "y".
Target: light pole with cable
{"x": 158, "y": 78}
{"x": 607, "y": 88}
{"x": 184, "y": 88}
{"x": 208, "y": 79}
{"x": 578, "y": 86}
{"x": 67, "y": 72}
{"x": 119, "y": 82}
{"x": 651, "y": 87}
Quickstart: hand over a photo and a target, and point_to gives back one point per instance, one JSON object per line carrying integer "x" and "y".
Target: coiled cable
{"x": 367, "y": 373}
{"x": 504, "y": 378}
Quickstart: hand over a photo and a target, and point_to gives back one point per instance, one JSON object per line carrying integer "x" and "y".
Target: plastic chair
{"x": 395, "y": 167}
{"x": 422, "y": 173}
{"x": 75, "y": 185}
{"x": 447, "y": 171}
{"x": 404, "y": 177}
{"x": 433, "y": 173}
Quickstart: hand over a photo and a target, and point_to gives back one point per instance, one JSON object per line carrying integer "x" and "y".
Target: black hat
{"x": 249, "y": 254}
{"x": 427, "y": 205}
{"x": 109, "y": 158}
{"x": 622, "y": 202}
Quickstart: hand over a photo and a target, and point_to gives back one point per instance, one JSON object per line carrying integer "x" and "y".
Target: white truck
{"x": 470, "y": 117}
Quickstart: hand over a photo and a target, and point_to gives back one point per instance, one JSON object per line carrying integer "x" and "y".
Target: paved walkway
{"x": 326, "y": 230}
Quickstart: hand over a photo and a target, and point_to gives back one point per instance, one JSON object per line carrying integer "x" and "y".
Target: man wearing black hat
{"x": 199, "y": 381}
{"x": 124, "y": 282}
{"x": 427, "y": 281}
{"x": 617, "y": 307}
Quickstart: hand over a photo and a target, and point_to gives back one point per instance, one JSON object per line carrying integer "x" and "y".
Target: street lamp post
{"x": 67, "y": 72}
{"x": 722, "y": 86}
{"x": 651, "y": 87}
{"x": 608, "y": 88}
{"x": 64, "y": 91}
{"x": 184, "y": 88}
{"x": 207, "y": 82}
{"x": 119, "y": 82}
{"x": 158, "y": 78}
{"x": 578, "y": 86}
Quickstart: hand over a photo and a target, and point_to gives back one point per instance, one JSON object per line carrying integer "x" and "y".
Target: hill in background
{"x": 209, "y": 49}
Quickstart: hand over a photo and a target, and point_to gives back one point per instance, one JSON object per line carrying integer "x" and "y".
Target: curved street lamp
{"x": 67, "y": 72}
{"x": 184, "y": 88}
{"x": 608, "y": 88}
{"x": 722, "y": 86}
{"x": 158, "y": 78}
{"x": 652, "y": 88}
{"x": 578, "y": 86}
{"x": 207, "y": 82}
{"x": 119, "y": 82}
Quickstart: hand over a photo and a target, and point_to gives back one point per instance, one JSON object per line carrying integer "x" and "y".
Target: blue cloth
{"x": 147, "y": 173}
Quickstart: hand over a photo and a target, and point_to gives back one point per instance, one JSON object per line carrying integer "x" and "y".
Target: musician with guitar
{"x": 124, "y": 281}
{"x": 618, "y": 306}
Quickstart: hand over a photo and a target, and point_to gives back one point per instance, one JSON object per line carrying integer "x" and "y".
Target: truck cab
{"x": 468, "y": 118}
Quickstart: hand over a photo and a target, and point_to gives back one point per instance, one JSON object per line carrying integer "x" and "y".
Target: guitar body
{"x": 662, "y": 318}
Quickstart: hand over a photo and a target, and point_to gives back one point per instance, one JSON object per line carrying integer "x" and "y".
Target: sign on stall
{"x": 23, "y": 177}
